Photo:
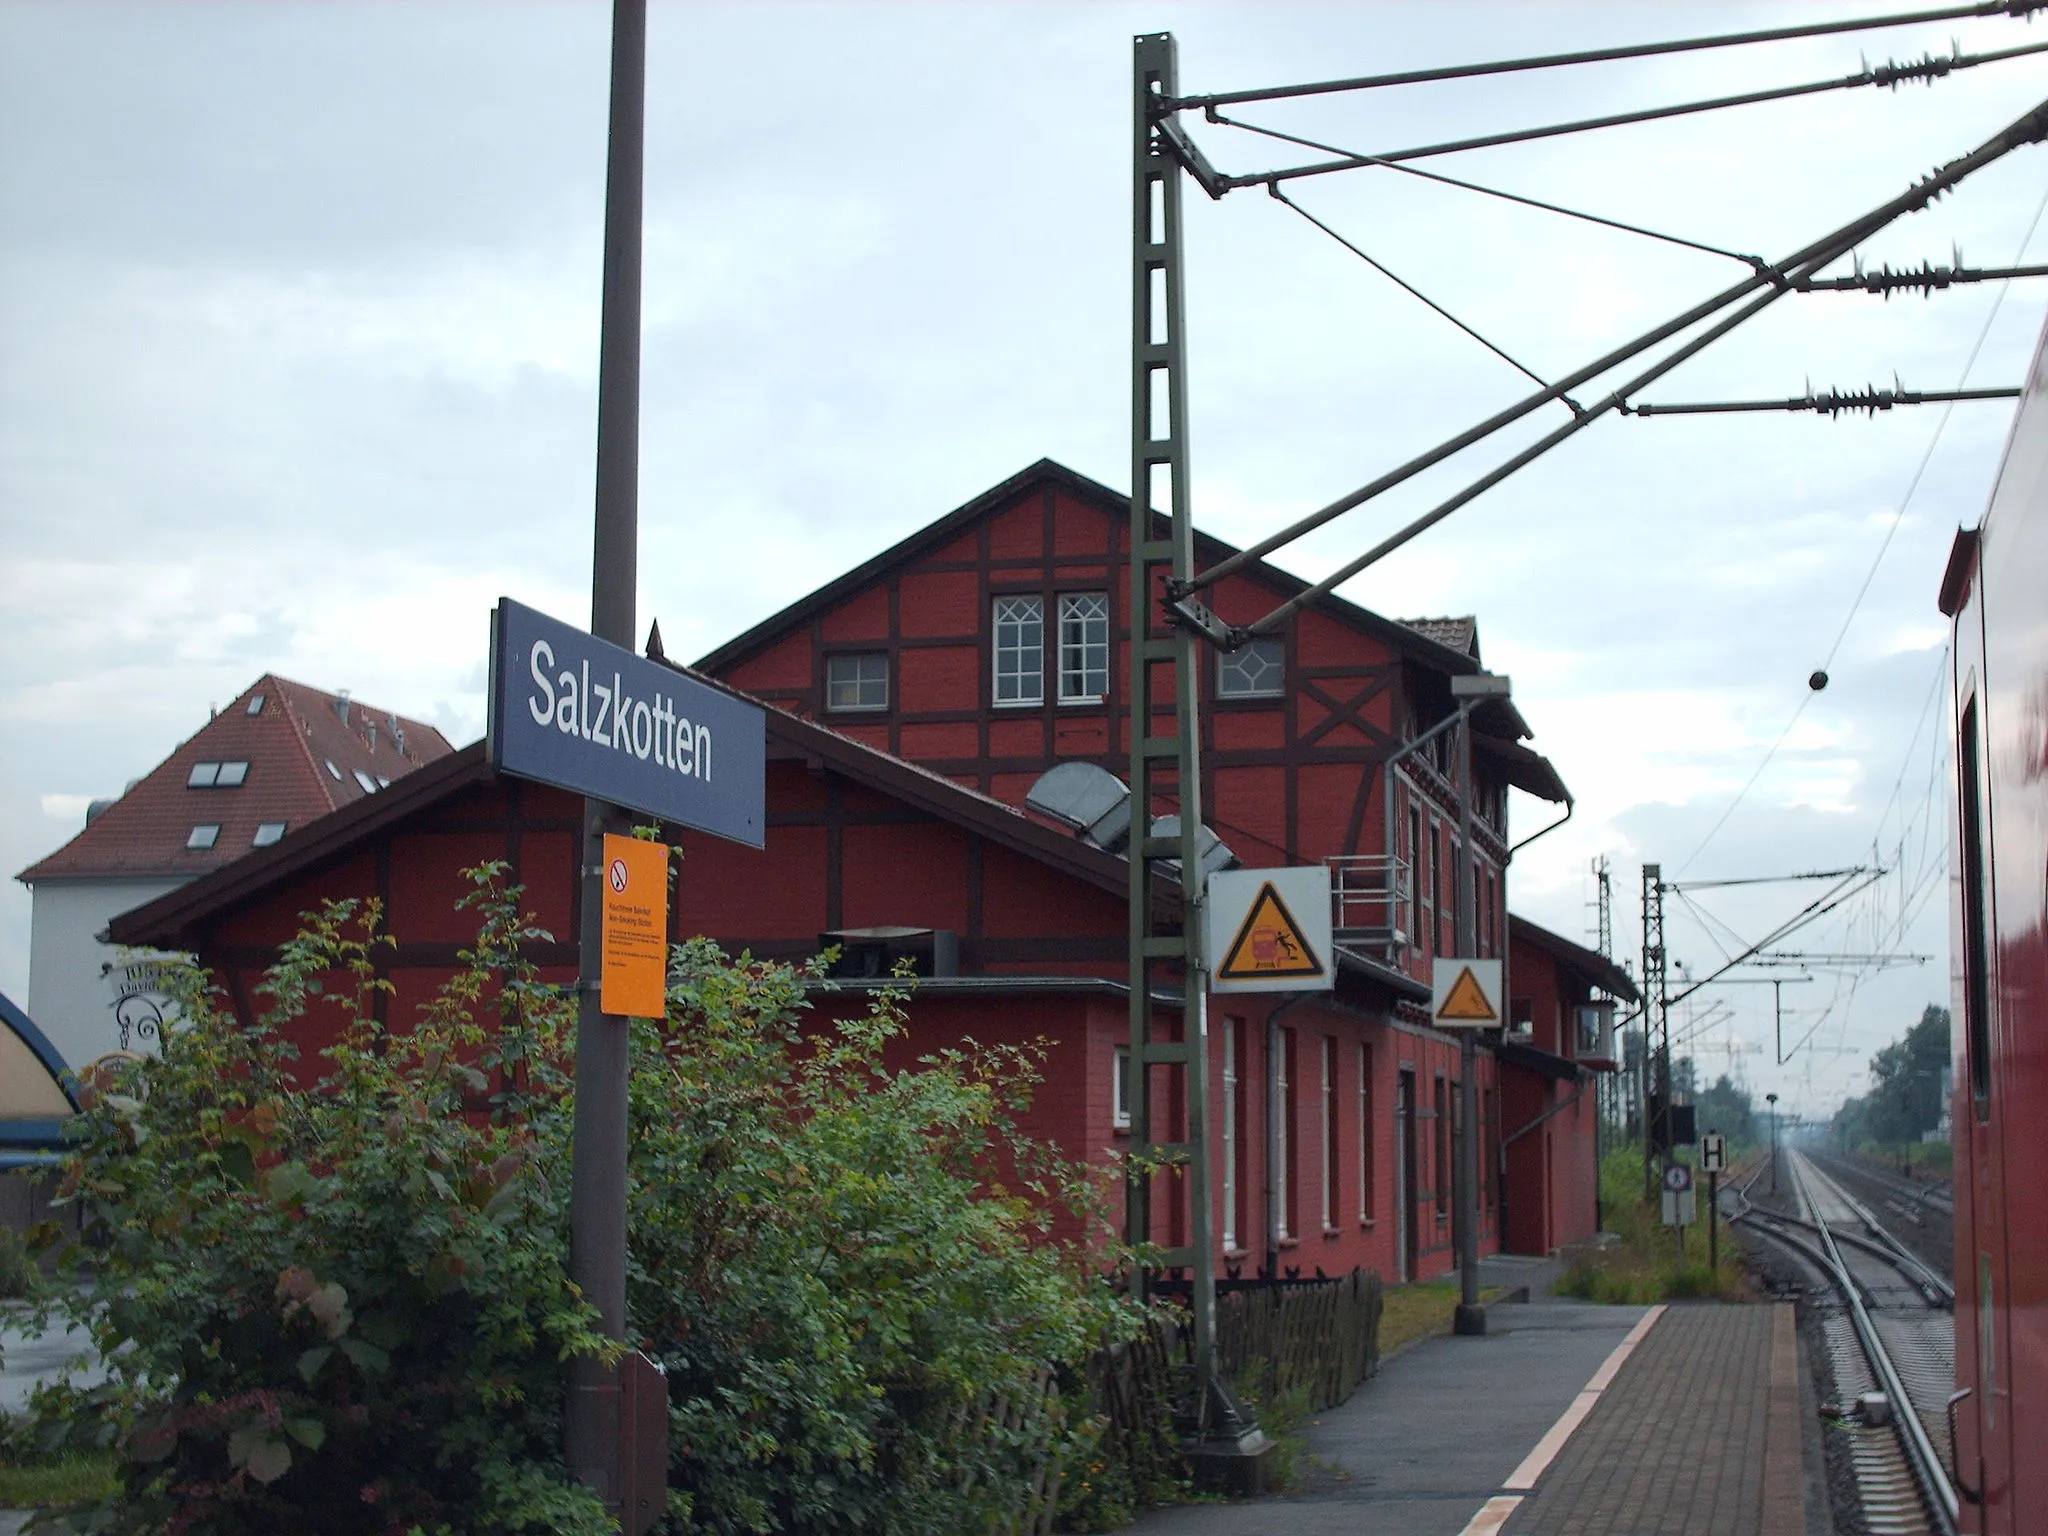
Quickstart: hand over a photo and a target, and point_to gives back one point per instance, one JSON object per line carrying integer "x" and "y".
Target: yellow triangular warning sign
{"x": 1269, "y": 945}
{"x": 1467, "y": 1000}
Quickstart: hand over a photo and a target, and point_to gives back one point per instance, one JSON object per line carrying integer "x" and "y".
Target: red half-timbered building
{"x": 913, "y": 704}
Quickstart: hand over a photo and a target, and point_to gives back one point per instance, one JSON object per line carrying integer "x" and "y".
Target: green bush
{"x": 331, "y": 1300}
{"x": 333, "y": 1295}
{"x": 1645, "y": 1263}
{"x": 19, "y": 1277}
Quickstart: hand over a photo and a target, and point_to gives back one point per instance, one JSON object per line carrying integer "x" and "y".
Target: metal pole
{"x": 1713, "y": 1222}
{"x": 1656, "y": 1064}
{"x": 1772, "y": 1100}
{"x": 1159, "y": 748}
{"x": 1471, "y": 1317}
{"x": 597, "y": 1179}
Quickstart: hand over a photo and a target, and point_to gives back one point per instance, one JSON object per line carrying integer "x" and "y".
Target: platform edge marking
{"x": 1492, "y": 1515}
{"x": 1538, "y": 1461}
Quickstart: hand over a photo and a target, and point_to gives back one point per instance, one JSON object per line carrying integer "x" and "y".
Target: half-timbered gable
{"x": 994, "y": 643}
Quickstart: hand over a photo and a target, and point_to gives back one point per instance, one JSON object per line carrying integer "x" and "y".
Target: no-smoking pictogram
{"x": 619, "y": 875}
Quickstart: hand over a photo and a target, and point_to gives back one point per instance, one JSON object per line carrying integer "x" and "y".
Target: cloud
{"x": 301, "y": 308}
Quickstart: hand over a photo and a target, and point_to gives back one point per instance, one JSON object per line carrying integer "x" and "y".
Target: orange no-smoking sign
{"x": 634, "y": 975}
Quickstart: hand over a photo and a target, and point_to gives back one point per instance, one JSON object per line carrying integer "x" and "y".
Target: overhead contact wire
{"x": 1756, "y": 262}
{"x": 1985, "y": 8}
{"x": 1928, "y": 70}
{"x": 1416, "y": 293}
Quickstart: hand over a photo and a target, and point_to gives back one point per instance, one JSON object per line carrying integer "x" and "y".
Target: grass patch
{"x": 1647, "y": 1265}
{"x": 1418, "y": 1311}
{"x": 56, "y": 1482}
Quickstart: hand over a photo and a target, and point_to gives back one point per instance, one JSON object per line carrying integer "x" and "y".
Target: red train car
{"x": 1996, "y": 591}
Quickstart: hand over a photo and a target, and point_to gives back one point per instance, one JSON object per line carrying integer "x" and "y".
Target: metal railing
{"x": 1369, "y": 902}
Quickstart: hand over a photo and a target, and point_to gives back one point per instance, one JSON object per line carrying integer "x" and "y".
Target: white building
{"x": 281, "y": 756}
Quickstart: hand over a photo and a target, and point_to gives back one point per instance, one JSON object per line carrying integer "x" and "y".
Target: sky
{"x": 298, "y": 354}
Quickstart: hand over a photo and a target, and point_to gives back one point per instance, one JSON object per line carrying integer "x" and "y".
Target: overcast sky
{"x": 298, "y": 342}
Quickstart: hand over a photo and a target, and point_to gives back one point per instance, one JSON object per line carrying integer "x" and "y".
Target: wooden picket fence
{"x": 1314, "y": 1340}
{"x": 1319, "y": 1339}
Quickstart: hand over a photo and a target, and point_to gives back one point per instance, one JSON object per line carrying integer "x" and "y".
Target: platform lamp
{"x": 1772, "y": 1100}
{"x": 1469, "y": 690}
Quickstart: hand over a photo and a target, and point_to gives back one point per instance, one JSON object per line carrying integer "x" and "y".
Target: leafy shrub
{"x": 333, "y": 1294}
{"x": 842, "y": 1266}
{"x": 18, "y": 1274}
{"x": 332, "y": 1299}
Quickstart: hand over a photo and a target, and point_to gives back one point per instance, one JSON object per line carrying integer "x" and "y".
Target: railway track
{"x": 1891, "y": 1346}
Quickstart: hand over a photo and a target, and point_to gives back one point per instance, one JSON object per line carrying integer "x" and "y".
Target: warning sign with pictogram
{"x": 633, "y": 971}
{"x": 1465, "y": 994}
{"x": 1269, "y": 930}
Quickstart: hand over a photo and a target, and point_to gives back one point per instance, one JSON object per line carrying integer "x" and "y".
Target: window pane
{"x": 232, "y": 774}
{"x": 1255, "y": 670}
{"x": 205, "y": 835}
{"x": 858, "y": 681}
{"x": 1020, "y": 650}
{"x": 267, "y": 833}
{"x": 202, "y": 775}
{"x": 1084, "y": 646}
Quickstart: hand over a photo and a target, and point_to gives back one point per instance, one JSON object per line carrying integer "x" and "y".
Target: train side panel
{"x": 1999, "y": 863}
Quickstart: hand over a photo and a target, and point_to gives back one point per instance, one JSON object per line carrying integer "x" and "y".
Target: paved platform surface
{"x": 1679, "y": 1421}
{"x": 1698, "y": 1435}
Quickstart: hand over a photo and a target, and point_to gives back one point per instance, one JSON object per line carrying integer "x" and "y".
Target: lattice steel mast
{"x": 1165, "y": 743}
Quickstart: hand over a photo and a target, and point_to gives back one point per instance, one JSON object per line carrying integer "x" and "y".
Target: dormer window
{"x": 1255, "y": 670}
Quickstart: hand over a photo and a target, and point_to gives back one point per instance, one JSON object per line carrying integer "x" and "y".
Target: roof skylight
{"x": 267, "y": 832}
{"x": 203, "y": 776}
{"x": 369, "y": 784}
{"x": 255, "y": 703}
{"x": 205, "y": 835}
{"x": 333, "y": 771}
{"x": 232, "y": 775}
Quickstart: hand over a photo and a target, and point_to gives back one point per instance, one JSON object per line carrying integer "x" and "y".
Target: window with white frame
{"x": 857, "y": 681}
{"x": 1230, "y": 1028}
{"x": 205, "y": 835}
{"x": 1020, "y": 650}
{"x": 1329, "y": 1132}
{"x": 1283, "y": 1132}
{"x": 1365, "y": 1160}
{"x": 1084, "y": 647}
{"x": 1120, "y": 1090}
{"x": 1255, "y": 670}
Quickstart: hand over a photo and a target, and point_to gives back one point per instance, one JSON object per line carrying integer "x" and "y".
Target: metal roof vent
{"x": 1216, "y": 854}
{"x": 93, "y": 810}
{"x": 341, "y": 704}
{"x": 1088, "y": 798}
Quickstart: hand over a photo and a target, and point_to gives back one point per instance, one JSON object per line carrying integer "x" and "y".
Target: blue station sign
{"x": 580, "y": 713}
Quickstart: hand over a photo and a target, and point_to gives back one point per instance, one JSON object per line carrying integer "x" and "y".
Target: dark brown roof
{"x": 1402, "y": 637}
{"x": 172, "y": 920}
{"x": 303, "y": 759}
{"x": 1595, "y": 967}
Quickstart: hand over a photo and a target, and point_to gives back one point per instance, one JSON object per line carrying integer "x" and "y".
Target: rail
{"x": 1928, "y": 1470}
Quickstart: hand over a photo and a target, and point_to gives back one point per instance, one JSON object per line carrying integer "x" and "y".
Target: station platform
{"x": 1680, "y": 1420}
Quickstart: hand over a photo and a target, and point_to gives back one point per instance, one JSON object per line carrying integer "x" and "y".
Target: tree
{"x": 1906, "y": 1078}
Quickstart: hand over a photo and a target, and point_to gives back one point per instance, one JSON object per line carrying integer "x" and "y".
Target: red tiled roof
{"x": 303, "y": 760}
